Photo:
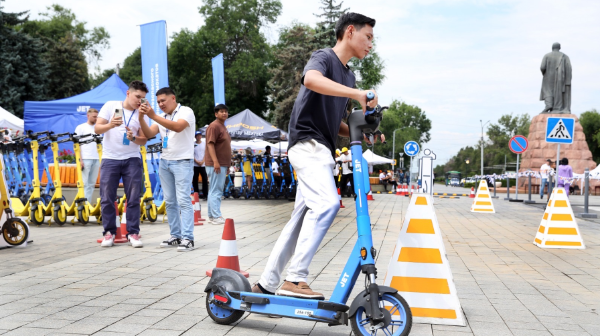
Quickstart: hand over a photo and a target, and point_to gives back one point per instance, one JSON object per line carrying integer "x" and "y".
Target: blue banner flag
{"x": 154, "y": 59}
{"x": 219, "y": 79}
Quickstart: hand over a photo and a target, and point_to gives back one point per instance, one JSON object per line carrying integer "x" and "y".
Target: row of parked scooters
{"x": 262, "y": 183}
{"x": 30, "y": 200}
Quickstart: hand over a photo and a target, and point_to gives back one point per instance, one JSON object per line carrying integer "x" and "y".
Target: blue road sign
{"x": 560, "y": 130}
{"x": 411, "y": 148}
{"x": 518, "y": 144}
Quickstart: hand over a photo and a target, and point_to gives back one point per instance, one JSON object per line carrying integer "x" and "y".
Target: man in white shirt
{"x": 90, "y": 161}
{"x": 347, "y": 175}
{"x": 199, "y": 167}
{"x": 383, "y": 179}
{"x": 176, "y": 127}
{"x": 544, "y": 171}
{"x": 119, "y": 122}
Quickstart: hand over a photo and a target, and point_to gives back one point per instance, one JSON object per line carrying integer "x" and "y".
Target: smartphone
{"x": 118, "y": 113}
{"x": 144, "y": 101}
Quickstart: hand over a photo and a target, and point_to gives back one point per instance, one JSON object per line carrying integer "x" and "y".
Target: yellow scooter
{"x": 96, "y": 210}
{"x": 147, "y": 207}
{"x": 14, "y": 230}
{"x": 57, "y": 207}
{"x": 34, "y": 208}
{"x": 80, "y": 208}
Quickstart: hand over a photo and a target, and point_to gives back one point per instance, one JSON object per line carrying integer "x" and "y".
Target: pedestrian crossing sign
{"x": 560, "y": 130}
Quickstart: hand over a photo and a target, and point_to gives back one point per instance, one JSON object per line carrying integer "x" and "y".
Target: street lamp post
{"x": 482, "y": 125}
{"x": 394, "y": 146}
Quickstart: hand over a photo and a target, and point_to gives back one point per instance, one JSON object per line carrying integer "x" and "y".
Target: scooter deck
{"x": 287, "y": 306}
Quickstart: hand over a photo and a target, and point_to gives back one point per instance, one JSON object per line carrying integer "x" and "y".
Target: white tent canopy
{"x": 9, "y": 120}
{"x": 374, "y": 159}
{"x": 258, "y": 146}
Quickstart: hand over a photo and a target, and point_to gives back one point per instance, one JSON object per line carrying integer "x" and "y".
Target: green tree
{"x": 60, "y": 22}
{"x": 590, "y": 121}
{"x": 232, "y": 27}
{"x": 410, "y": 122}
{"x": 325, "y": 30}
{"x": 296, "y": 44}
{"x": 23, "y": 72}
{"x": 68, "y": 74}
{"x": 131, "y": 70}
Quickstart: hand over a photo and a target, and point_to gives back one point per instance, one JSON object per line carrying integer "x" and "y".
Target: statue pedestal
{"x": 578, "y": 153}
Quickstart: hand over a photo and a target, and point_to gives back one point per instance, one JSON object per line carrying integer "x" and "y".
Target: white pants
{"x": 316, "y": 206}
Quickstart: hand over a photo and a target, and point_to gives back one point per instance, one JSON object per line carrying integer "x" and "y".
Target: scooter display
{"x": 377, "y": 309}
{"x": 14, "y": 230}
{"x": 80, "y": 207}
{"x": 49, "y": 190}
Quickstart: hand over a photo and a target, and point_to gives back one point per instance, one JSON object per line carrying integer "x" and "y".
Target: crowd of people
{"x": 564, "y": 174}
{"x": 315, "y": 122}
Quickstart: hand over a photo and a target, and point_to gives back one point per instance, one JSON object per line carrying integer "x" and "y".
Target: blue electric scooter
{"x": 377, "y": 309}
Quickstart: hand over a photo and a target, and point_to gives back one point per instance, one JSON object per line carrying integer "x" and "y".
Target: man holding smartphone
{"x": 176, "y": 127}
{"x": 123, "y": 136}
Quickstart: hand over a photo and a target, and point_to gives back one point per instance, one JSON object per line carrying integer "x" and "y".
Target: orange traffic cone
{"x": 197, "y": 210}
{"x": 399, "y": 190}
{"x": 370, "y": 195}
{"x": 340, "y": 197}
{"x": 119, "y": 237}
{"x": 228, "y": 254}
{"x": 472, "y": 195}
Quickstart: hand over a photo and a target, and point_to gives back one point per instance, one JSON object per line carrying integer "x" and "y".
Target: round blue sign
{"x": 411, "y": 148}
{"x": 518, "y": 144}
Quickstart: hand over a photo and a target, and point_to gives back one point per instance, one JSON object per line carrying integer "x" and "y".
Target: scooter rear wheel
{"x": 15, "y": 231}
{"x": 221, "y": 315}
{"x": 400, "y": 316}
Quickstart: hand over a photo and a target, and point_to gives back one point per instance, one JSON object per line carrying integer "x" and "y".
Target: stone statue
{"x": 556, "y": 85}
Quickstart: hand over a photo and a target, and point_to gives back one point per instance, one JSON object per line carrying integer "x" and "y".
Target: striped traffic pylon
{"x": 197, "y": 210}
{"x": 558, "y": 228}
{"x": 399, "y": 189}
{"x": 419, "y": 268}
{"x": 228, "y": 253}
{"x": 472, "y": 195}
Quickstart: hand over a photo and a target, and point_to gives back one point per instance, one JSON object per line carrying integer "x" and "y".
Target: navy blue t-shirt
{"x": 316, "y": 116}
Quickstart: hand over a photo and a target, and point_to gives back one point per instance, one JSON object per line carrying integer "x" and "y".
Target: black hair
{"x": 564, "y": 161}
{"x": 268, "y": 147}
{"x": 138, "y": 85}
{"x": 221, "y": 107}
{"x": 165, "y": 91}
{"x": 351, "y": 19}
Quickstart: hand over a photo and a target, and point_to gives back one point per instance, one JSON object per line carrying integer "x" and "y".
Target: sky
{"x": 460, "y": 61}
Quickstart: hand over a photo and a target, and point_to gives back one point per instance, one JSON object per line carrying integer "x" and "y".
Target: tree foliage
{"x": 495, "y": 148}
{"x": 296, "y": 44}
{"x": 68, "y": 71}
{"x": 131, "y": 70}
{"x": 23, "y": 72}
{"x": 590, "y": 121}
{"x": 232, "y": 27}
{"x": 410, "y": 122}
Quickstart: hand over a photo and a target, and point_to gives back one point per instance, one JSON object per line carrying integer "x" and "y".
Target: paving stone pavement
{"x": 65, "y": 284}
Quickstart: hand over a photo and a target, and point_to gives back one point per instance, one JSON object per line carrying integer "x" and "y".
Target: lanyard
{"x": 172, "y": 117}
{"x": 131, "y": 116}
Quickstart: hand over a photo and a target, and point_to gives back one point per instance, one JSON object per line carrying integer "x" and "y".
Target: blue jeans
{"x": 131, "y": 171}
{"x": 176, "y": 182}
{"x": 543, "y": 186}
{"x": 90, "y": 175}
{"x": 215, "y": 190}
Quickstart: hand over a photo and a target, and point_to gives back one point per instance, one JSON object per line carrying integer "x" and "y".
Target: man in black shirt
{"x": 316, "y": 120}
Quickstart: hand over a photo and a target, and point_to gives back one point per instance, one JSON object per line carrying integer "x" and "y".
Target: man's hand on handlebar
{"x": 361, "y": 97}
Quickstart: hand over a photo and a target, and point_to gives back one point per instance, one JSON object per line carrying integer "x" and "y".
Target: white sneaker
{"x": 218, "y": 221}
{"x": 210, "y": 219}
{"x": 134, "y": 240}
{"x": 108, "y": 240}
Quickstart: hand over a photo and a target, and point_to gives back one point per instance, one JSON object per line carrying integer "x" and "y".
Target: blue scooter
{"x": 375, "y": 309}
{"x": 10, "y": 179}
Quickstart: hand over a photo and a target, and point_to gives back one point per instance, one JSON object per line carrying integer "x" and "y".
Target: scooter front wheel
{"x": 60, "y": 215}
{"x": 37, "y": 215}
{"x": 221, "y": 315}
{"x": 83, "y": 215}
{"x": 398, "y": 323}
{"x": 15, "y": 231}
{"x": 152, "y": 214}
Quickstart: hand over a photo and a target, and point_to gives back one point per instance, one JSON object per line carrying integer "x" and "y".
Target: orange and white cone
{"x": 472, "y": 195}
{"x": 197, "y": 210}
{"x": 120, "y": 237}
{"x": 340, "y": 197}
{"x": 399, "y": 189}
{"x": 228, "y": 253}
